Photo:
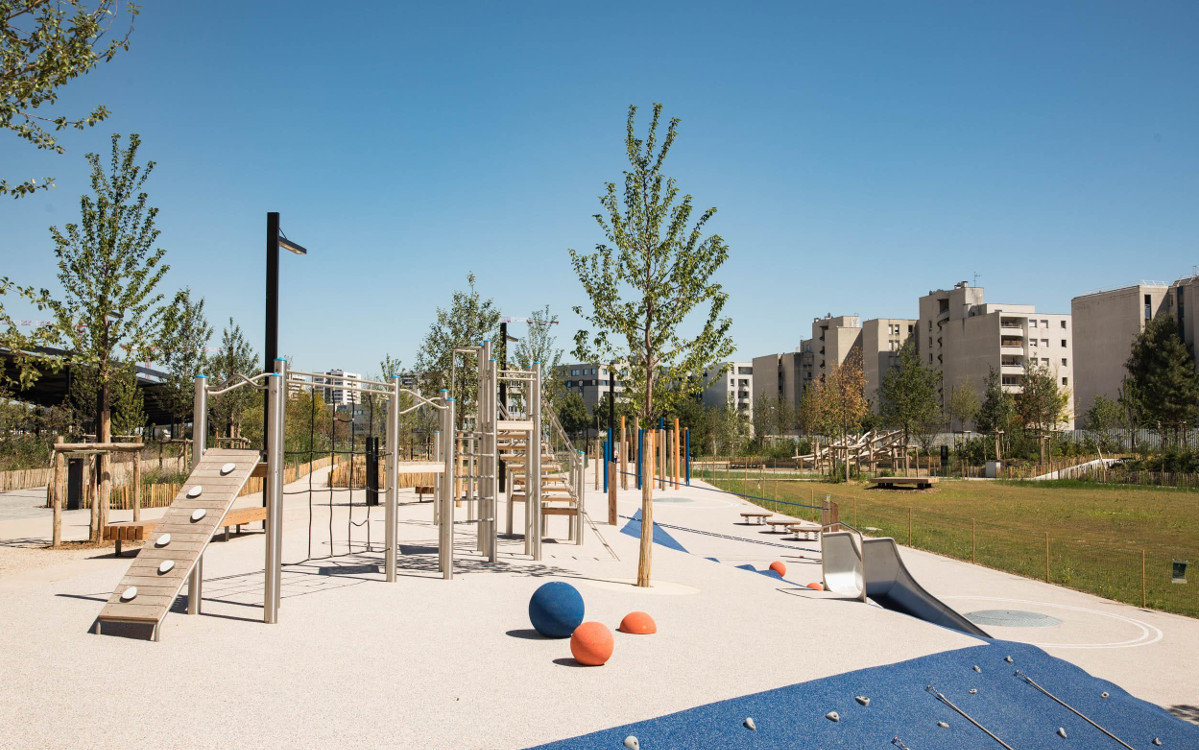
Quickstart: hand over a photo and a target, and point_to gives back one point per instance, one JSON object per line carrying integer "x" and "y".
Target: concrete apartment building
{"x": 882, "y": 338}
{"x": 965, "y": 337}
{"x": 832, "y": 339}
{"x": 333, "y": 388}
{"x": 1106, "y": 324}
{"x": 590, "y": 380}
{"x": 734, "y": 387}
{"x": 778, "y": 376}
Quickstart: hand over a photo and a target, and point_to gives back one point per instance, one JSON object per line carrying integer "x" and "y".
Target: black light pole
{"x": 274, "y": 240}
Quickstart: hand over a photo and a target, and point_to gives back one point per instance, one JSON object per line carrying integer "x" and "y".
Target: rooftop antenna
{"x": 976, "y": 278}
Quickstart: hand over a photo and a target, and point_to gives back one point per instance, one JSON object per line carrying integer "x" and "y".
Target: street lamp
{"x": 275, "y": 239}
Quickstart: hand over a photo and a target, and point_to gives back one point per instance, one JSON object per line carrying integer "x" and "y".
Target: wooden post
{"x": 1142, "y": 578}
{"x": 611, "y": 493}
{"x": 1046, "y": 557}
{"x": 137, "y": 486}
{"x": 855, "y": 513}
{"x": 647, "y": 515}
{"x": 909, "y": 526}
{"x": 624, "y": 456}
{"x": 56, "y": 494}
{"x": 94, "y": 486}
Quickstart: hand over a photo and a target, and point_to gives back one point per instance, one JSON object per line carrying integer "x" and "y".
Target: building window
{"x": 1064, "y": 343}
{"x": 1045, "y": 342}
{"x": 1032, "y": 324}
{"x": 1064, "y": 362}
{"x": 1063, "y": 324}
{"x": 930, "y": 358}
{"x": 1044, "y": 323}
{"x": 1045, "y": 361}
{"x": 930, "y": 325}
{"x": 1065, "y": 381}
{"x": 1032, "y": 342}
{"x": 574, "y": 372}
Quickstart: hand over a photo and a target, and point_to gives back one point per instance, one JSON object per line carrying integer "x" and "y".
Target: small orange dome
{"x": 816, "y": 586}
{"x": 779, "y": 568}
{"x": 592, "y": 644}
{"x": 638, "y": 623}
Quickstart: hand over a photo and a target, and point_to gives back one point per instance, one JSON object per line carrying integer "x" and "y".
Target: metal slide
{"x": 887, "y": 580}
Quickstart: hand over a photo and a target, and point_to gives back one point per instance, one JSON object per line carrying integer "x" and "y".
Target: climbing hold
{"x": 976, "y": 668}
{"x": 632, "y": 743}
{"x": 591, "y": 644}
{"x": 198, "y": 513}
{"x": 815, "y": 586}
{"x": 1061, "y": 732}
{"x": 943, "y": 725}
{"x": 1104, "y": 694}
{"x": 1157, "y": 741}
{"x": 162, "y": 540}
{"x": 862, "y": 699}
{"x": 228, "y": 469}
{"x": 779, "y": 568}
{"x": 638, "y": 623}
{"x": 1008, "y": 659}
{"x": 974, "y": 691}
{"x": 833, "y": 716}
{"x": 556, "y": 609}
{"x": 165, "y": 566}
{"x": 749, "y": 723}
{"x": 129, "y": 594}
{"x": 195, "y": 492}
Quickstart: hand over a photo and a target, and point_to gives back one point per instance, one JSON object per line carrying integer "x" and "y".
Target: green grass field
{"x": 1096, "y": 533}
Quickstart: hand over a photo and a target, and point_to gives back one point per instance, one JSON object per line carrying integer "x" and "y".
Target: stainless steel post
{"x": 393, "y": 475}
{"x": 533, "y": 480}
{"x": 445, "y": 537}
{"x": 195, "y": 583}
{"x": 276, "y": 388}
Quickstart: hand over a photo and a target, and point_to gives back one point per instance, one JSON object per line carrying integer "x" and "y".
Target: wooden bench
{"x": 422, "y": 490}
{"x": 917, "y": 483}
{"x": 755, "y": 518}
{"x": 804, "y": 529}
{"x": 137, "y": 531}
{"x": 785, "y": 523}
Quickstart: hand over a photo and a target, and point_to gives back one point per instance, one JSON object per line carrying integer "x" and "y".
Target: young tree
{"x": 908, "y": 396}
{"x": 772, "y": 416}
{"x": 109, "y": 271}
{"x": 649, "y": 277}
{"x": 128, "y": 402}
{"x": 235, "y": 359}
{"x": 468, "y": 321}
{"x": 1040, "y": 405}
{"x": 44, "y": 45}
{"x": 1105, "y": 417}
{"x": 996, "y": 411}
{"x": 962, "y": 405}
{"x": 540, "y": 345}
{"x": 572, "y": 414}
{"x": 185, "y": 335}
{"x": 1162, "y": 382}
{"x": 845, "y": 386}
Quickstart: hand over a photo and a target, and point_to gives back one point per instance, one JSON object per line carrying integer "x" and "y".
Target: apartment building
{"x": 1106, "y": 324}
{"x": 832, "y": 339}
{"x": 731, "y": 384}
{"x": 778, "y": 376}
{"x": 591, "y": 380}
{"x": 882, "y": 338}
{"x": 965, "y": 337}
{"x": 333, "y": 388}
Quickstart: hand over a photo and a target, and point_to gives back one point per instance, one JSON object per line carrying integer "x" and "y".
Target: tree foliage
{"x": 654, "y": 271}
{"x": 997, "y": 408}
{"x": 185, "y": 335}
{"x": 235, "y": 358}
{"x": 44, "y": 44}
{"x": 908, "y": 394}
{"x": 468, "y": 321}
{"x": 773, "y": 415}
{"x": 1162, "y": 384}
{"x": 962, "y": 405}
{"x": 1040, "y": 404}
{"x": 540, "y": 345}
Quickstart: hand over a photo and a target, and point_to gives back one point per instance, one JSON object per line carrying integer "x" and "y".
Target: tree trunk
{"x": 103, "y": 435}
{"x": 647, "y": 513}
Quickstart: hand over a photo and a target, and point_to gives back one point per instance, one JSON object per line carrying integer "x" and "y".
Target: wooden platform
{"x": 911, "y": 483}
{"x": 219, "y": 478}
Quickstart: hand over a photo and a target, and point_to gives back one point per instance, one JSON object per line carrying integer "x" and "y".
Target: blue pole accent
{"x": 604, "y": 466}
{"x": 661, "y": 423}
{"x": 640, "y": 446}
{"x": 687, "y": 454}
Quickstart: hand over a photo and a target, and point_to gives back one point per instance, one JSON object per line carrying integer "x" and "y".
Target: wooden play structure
{"x": 867, "y": 451}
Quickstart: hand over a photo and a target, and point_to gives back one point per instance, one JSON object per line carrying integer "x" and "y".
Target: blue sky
{"x": 860, "y": 154}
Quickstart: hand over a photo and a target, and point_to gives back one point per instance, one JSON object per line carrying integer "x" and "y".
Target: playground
{"x": 401, "y": 618}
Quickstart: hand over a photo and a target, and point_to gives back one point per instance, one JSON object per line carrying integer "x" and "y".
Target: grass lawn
{"x": 1096, "y": 533}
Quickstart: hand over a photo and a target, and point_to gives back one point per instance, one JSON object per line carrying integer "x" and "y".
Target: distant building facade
{"x": 733, "y": 387}
{"x": 882, "y": 338}
{"x": 965, "y": 337}
{"x": 778, "y": 376}
{"x": 591, "y": 380}
{"x": 1106, "y": 324}
{"x": 333, "y": 388}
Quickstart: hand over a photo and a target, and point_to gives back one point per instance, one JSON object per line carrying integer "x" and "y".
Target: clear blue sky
{"x": 860, "y": 154}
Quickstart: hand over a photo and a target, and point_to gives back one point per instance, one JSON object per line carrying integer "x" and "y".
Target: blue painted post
{"x": 640, "y": 447}
{"x": 687, "y": 453}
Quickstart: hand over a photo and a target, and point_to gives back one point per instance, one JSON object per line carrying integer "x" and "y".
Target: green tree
{"x": 908, "y": 396}
{"x": 1040, "y": 404}
{"x": 26, "y": 364}
{"x": 44, "y": 44}
{"x": 128, "y": 402}
{"x": 234, "y": 360}
{"x": 1105, "y": 417}
{"x": 1162, "y": 383}
{"x": 962, "y": 405}
{"x": 572, "y": 414}
{"x": 772, "y": 416}
{"x": 185, "y": 335}
{"x": 109, "y": 270}
{"x": 468, "y": 321}
{"x": 654, "y": 272}
{"x": 540, "y": 345}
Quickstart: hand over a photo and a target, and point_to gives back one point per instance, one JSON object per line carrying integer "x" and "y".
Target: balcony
{"x": 1011, "y": 369}
{"x": 1013, "y": 389}
{"x": 1013, "y": 331}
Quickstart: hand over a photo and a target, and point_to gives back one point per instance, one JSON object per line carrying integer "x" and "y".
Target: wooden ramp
{"x": 211, "y": 488}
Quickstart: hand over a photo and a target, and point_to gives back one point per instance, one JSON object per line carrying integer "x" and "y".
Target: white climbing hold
{"x": 195, "y": 492}
{"x": 1105, "y": 694}
{"x": 833, "y": 716}
{"x": 1008, "y": 659}
{"x": 976, "y": 668}
{"x": 632, "y": 743}
{"x": 863, "y": 700}
{"x": 129, "y": 594}
{"x": 198, "y": 513}
{"x": 1061, "y": 732}
{"x": 943, "y": 725}
{"x": 974, "y": 691}
{"x": 749, "y": 723}
{"x": 1157, "y": 741}
{"x": 228, "y": 469}
{"x": 165, "y": 567}
{"x": 163, "y": 540}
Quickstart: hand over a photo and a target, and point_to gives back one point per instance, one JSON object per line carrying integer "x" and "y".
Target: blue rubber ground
{"x": 633, "y": 529}
{"x": 900, "y": 706}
